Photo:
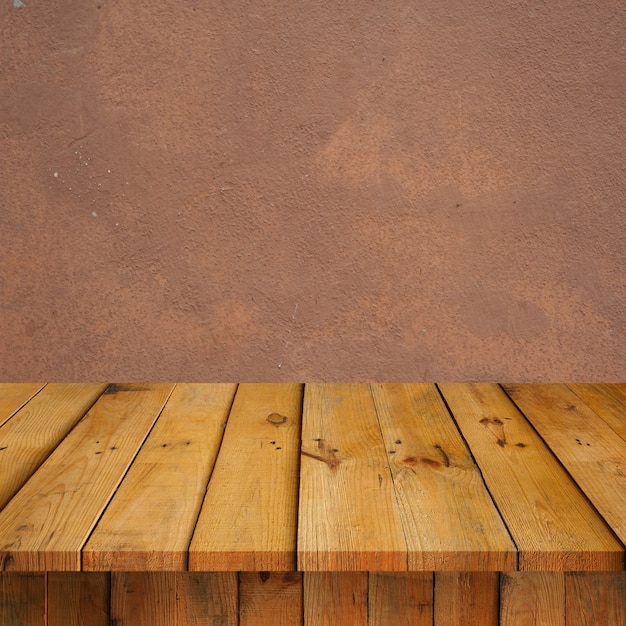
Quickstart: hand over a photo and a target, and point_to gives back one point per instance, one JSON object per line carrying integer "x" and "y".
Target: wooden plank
{"x": 400, "y": 599}
{"x": 139, "y": 598}
{"x": 79, "y": 599}
{"x": 466, "y": 598}
{"x": 22, "y": 599}
{"x": 149, "y": 523}
{"x": 606, "y": 402}
{"x": 13, "y": 396}
{"x": 553, "y": 524}
{"x": 595, "y": 598}
{"x": 270, "y": 598}
{"x": 249, "y": 515}
{"x": 349, "y": 519}
{"x": 335, "y": 598}
{"x": 591, "y": 451}
{"x": 33, "y": 432}
{"x": 207, "y": 599}
{"x": 44, "y": 527}
{"x": 531, "y": 598}
{"x": 450, "y": 522}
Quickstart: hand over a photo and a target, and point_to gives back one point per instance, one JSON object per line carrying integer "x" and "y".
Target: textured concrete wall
{"x": 272, "y": 190}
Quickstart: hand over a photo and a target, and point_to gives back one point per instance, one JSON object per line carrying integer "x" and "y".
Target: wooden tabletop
{"x": 315, "y": 477}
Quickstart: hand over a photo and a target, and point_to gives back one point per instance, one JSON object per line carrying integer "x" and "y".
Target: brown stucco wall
{"x": 273, "y": 190}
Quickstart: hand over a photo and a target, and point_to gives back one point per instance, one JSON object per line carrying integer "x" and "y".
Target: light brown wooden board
{"x": 207, "y": 599}
{"x": 591, "y": 451}
{"x": 532, "y": 598}
{"x": 34, "y": 431}
{"x": 553, "y": 524}
{"x": 79, "y": 599}
{"x": 13, "y": 396}
{"x": 466, "y": 598}
{"x": 400, "y": 599}
{"x": 450, "y": 522}
{"x": 270, "y": 598}
{"x": 22, "y": 599}
{"x": 335, "y": 598}
{"x": 143, "y": 598}
{"x": 249, "y": 515}
{"x": 149, "y": 523}
{"x": 606, "y": 402}
{"x": 595, "y": 598}
{"x": 44, "y": 527}
{"x": 349, "y": 518}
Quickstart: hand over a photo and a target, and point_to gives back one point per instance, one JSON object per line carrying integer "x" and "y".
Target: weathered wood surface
{"x": 553, "y": 524}
{"x": 45, "y": 526}
{"x": 149, "y": 523}
{"x": 320, "y": 477}
{"x": 249, "y": 515}
{"x": 349, "y": 518}
{"x": 590, "y": 450}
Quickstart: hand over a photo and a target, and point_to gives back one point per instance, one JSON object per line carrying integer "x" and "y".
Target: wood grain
{"x": 466, "y": 598}
{"x": 22, "y": 599}
{"x": 249, "y": 516}
{"x": 349, "y": 518}
{"x": 553, "y": 524}
{"x": 149, "y": 523}
{"x": 143, "y": 598}
{"x": 606, "y": 402}
{"x": 532, "y": 598}
{"x": 591, "y": 451}
{"x": 46, "y": 524}
{"x": 13, "y": 396}
{"x": 450, "y": 522}
{"x": 335, "y": 598}
{"x": 34, "y": 431}
{"x": 270, "y": 598}
{"x": 595, "y": 598}
{"x": 400, "y": 599}
{"x": 207, "y": 599}
{"x": 79, "y": 599}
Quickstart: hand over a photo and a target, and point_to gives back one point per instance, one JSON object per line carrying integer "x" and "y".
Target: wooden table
{"x": 326, "y": 504}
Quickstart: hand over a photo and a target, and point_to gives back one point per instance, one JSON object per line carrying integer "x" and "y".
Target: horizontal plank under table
{"x": 378, "y": 477}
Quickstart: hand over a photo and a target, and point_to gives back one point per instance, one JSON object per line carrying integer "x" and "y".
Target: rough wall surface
{"x": 273, "y": 190}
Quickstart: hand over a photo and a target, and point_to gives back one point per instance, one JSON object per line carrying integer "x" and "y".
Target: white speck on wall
{"x": 108, "y": 171}
{"x": 18, "y": 4}
{"x": 94, "y": 214}
{"x": 423, "y": 330}
{"x": 56, "y": 174}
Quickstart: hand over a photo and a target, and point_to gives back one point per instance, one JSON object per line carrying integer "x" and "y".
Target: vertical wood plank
{"x": 605, "y": 402}
{"x": 531, "y": 598}
{"x": 207, "y": 599}
{"x": 591, "y": 451}
{"x": 79, "y": 599}
{"x": 335, "y": 598}
{"x": 36, "y": 429}
{"x": 594, "y": 598}
{"x": 450, "y": 521}
{"x": 13, "y": 396}
{"x": 270, "y": 598}
{"x": 22, "y": 599}
{"x": 139, "y": 598}
{"x": 46, "y": 524}
{"x": 466, "y": 599}
{"x": 248, "y": 521}
{"x": 553, "y": 524}
{"x": 400, "y": 599}
{"x": 148, "y": 524}
{"x": 349, "y": 518}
